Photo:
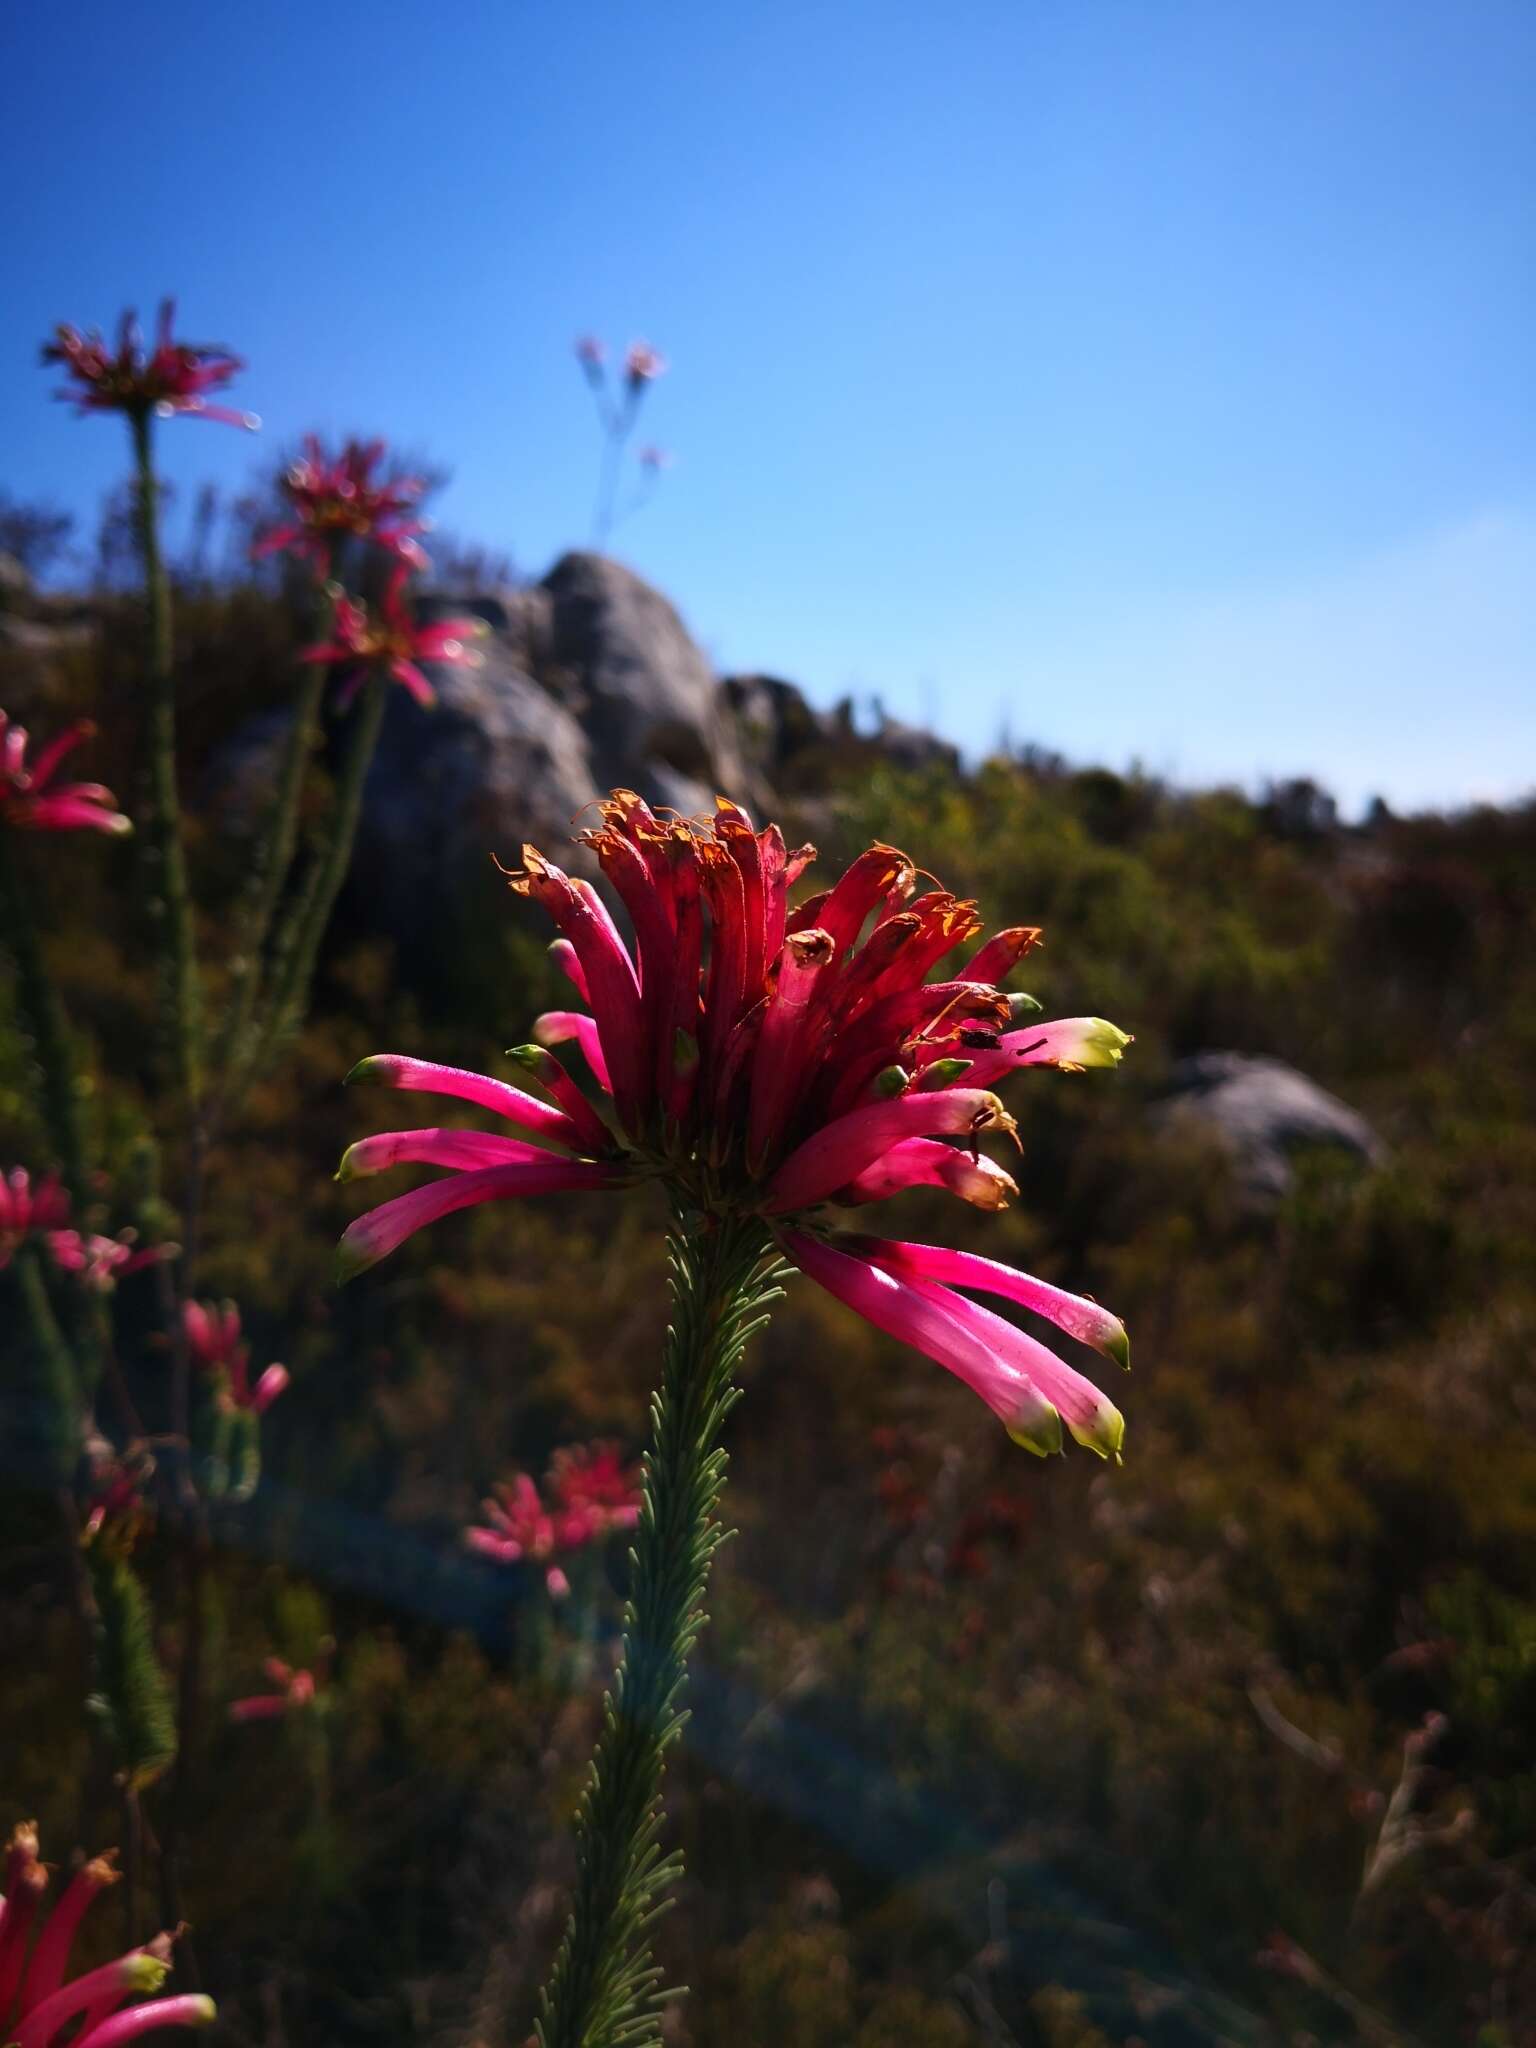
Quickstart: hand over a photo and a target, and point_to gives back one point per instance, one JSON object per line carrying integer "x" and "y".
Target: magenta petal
{"x": 1091, "y": 1416}
{"x": 841, "y": 1150}
{"x": 923, "y": 1318}
{"x": 1075, "y": 1313}
{"x": 373, "y": 1236}
{"x": 435, "y": 1146}
{"x": 929, "y": 1162}
{"x": 426, "y": 1077}
{"x": 411, "y": 677}
{"x": 560, "y": 1027}
{"x": 187, "y": 2009}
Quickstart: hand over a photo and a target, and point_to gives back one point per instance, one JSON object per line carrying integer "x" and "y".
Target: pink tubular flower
{"x": 339, "y": 497}
{"x": 215, "y": 1343}
{"x": 172, "y": 377}
{"x": 295, "y": 1691}
{"x": 590, "y": 352}
{"x": 31, "y": 800}
{"x": 25, "y": 1209}
{"x": 764, "y": 1061}
{"x": 588, "y": 1492}
{"x": 643, "y": 364}
{"x": 41, "y": 2004}
{"x": 392, "y": 640}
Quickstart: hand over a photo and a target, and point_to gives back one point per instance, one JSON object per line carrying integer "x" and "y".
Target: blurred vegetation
{"x": 983, "y": 1751}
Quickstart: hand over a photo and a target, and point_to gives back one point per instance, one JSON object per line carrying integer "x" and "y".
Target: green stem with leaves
{"x": 604, "y": 1990}
{"x": 170, "y": 897}
{"x": 42, "y": 1018}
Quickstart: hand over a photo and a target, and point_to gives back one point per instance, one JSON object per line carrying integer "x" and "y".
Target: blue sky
{"x": 1150, "y": 380}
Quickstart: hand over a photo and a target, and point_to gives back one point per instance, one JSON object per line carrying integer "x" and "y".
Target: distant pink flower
{"x": 25, "y": 1209}
{"x": 100, "y": 1262}
{"x": 114, "y": 1493}
{"x": 30, "y": 798}
{"x": 594, "y": 1492}
{"x": 390, "y": 639}
{"x": 41, "y": 2004}
{"x": 335, "y": 497}
{"x": 643, "y": 364}
{"x": 590, "y": 352}
{"x": 215, "y": 1343}
{"x": 588, "y": 1492}
{"x": 173, "y": 377}
{"x": 296, "y": 1691}
{"x": 656, "y": 459}
{"x": 771, "y": 1062}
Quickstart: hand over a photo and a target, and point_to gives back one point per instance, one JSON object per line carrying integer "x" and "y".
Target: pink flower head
{"x": 216, "y": 1347}
{"x": 42, "y": 2003}
{"x": 655, "y": 460}
{"x": 33, "y": 800}
{"x": 590, "y": 352}
{"x": 589, "y": 1491}
{"x": 172, "y": 377}
{"x": 296, "y": 1691}
{"x": 594, "y": 1491}
{"x": 337, "y": 497}
{"x": 769, "y": 1062}
{"x": 100, "y": 1262}
{"x": 25, "y": 1209}
{"x": 643, "y": 364}
{"x": 389, "y": 639}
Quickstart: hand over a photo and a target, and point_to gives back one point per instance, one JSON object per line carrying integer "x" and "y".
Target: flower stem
{"x": 605, "y": 1990}
{"x": 54, "y": 1388}
{"x": 298, "y": 944}
{"x": 170, "y": 899}
{"x": 269, "y": 871}
{"x": 42, "y": 1017}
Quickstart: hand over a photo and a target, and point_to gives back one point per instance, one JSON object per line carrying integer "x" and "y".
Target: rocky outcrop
{"x": 588, "y": 680}
{"x": 645, "y": 695}
{"x": 1262, "y": 1113}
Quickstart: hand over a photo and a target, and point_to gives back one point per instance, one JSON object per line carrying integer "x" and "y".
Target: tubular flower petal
{"x": 378, "y": 1233}
{"x": 41, "y": 2004}
{"x": 560, "y": 1027}
{"x": 172, "y": 377}
{"x": 761, "y": 1061}
{"x": 1071, "y": 1043}
{"x": 31, "y": 800}
{"x": 923, "y": 1318}
{"x": 928, "y": 1162}
{"x": 1074, "y": 1313}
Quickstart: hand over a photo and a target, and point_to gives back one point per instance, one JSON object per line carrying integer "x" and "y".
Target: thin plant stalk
{"x": 170, "y": 898}
{"x": 42, "y": 1016}
{"x": 605, "y": 1991}
{"x": 298, "y": 945}
{"x": 54, "y": 1381}
{"x": 269, "y": 873}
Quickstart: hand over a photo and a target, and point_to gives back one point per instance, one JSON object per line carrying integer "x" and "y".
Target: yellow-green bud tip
{"x": 1105, "y": 1434}
{"x": 1038, "y": 1429}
